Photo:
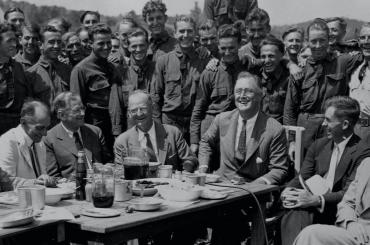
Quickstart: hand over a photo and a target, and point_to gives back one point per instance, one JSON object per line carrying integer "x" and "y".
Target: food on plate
{"x": 180, "y": 191}
{"x": 148, "y": 183}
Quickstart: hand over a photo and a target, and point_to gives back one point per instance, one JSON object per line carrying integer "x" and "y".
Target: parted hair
{"x": 100, "y": 28}
{"x": 318, "y": 24}
{"x": 258, "y": 15}
{"x": 345, "y": 108}
{"x": 48, "y": 29}
{"x": 32, "y": 28}
{"x": 11, "y": 10}
{"x": 96, "y": 13}
{"x": 29, "y": 108}
{"x": 229, "y": 30}
{"x": 342, "y": 22}
{"x": 272, "y": 40}
{"x": 152, "y": 6}
{"x": 138, "y": 31}
{"x": 67, "y": 36}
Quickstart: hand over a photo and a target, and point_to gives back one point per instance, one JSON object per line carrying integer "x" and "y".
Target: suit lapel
{"x": 162, "y": 142}
{"x": 66, "y": 141}
{"x": 85, "y": 135}
{"x": 325, "y": 157}
{"x": 23, "y": 147}
{"x": 256, "y": 136}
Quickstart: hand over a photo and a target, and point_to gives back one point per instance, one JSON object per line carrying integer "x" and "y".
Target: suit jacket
{"x": 355, "y": 205}
{"x": 15, "y": 158}
{"x": 61, "y": 151}
{"x": 172, "y": 147}
{"x": 317, "y": 161}
{"x": 266, "y": 151}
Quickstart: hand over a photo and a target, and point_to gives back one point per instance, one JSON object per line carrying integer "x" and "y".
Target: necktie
{"x": 78, "y": 141}
{"x": 34, "y": 160}
{"x": 242, "y": 146}
{"x": 150, "y": 149}
{"x": 332, "y": 167}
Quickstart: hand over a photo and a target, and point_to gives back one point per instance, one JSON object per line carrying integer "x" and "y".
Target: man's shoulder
{"x": 11, "y": 135}
{"x": 125, "y": 135}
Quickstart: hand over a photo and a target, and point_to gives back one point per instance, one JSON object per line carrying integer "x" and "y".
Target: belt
{"x": 364, "y": 122}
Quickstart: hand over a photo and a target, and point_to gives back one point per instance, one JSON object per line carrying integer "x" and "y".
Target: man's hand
{"x": 46, "y": 180}
{"x": 358, "y": 232}
{"x": 295, "y": 71}
{"x": 301, "y": 198}
{"x": 212, "y": 64}
{"x": 194, "y": 148}
{"x": 291, "y": 150}
{"x": 114, "y": 58}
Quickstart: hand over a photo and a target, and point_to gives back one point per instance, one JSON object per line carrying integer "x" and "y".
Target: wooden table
{"x": 138, "y": 224}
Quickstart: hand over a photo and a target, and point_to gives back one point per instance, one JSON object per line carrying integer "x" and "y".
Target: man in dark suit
{"x": 252, "y": 145}
{"x": 333, "y": 158}
{"x": 71, "y": 135}
{"x": 164, "y": 143}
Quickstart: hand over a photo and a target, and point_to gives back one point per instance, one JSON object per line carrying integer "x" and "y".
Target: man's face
{"x": 102, "y": 45}
{"x": 90, "y": 20}
{"x": 140, "y": 111}
{"x": 293, "y": 42}
{"x": 336, "y": 33}
{"x": 74, "y": 115}
{"x": 115, "y": 45}
{"x": 334, "y": 126}
{"x": 37, "y": 127}
{"x": 156, "y": 22}
{"x": 16, "y": 19}
{"x": 364, "y": 41}
{"x": 271, "y": 57}
{"x": 138, "y": 47}
{"x": 74, "y": 49}
{"x": 185, "y": 34}
{"x": 123, "y": 31}
{"x": 52, "y": 45}
{"x": 85, "y": 42}
{"x": 208, "y": 39}
{"x": 257, "y": 31}
{"x": 318, "y": 41}
{"x": 30, "y": 42}
{"x": 303, "y": 56}
{"x": 228, "y": 48}
{"x": 247, "y": 95}
{"x": 8, "y": 44}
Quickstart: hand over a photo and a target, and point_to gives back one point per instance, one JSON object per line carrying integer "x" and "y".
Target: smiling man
{"x": 29, "y": 40}
{"x": 332, "y": 158}
{"x": 293, "y": 41}
{"x": 98, "y": 83}
{"x": 73, "y": 48}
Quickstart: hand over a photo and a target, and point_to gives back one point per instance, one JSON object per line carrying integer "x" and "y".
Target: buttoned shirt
{"x": 360, "y": 90}
{"x": 70, "y": 133}
{"x": 29, "y": 143}
{"x": 161, "y": 45}
{"x": 249, "y": 129}
{"x": 152, "y": 136}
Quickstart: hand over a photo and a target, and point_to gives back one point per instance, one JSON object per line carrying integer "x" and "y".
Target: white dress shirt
{"x": 360, "y": 90}
{"x": 152, "y": 136}
{"x": 249, "y": 129}
{"x": 70, "y": 133}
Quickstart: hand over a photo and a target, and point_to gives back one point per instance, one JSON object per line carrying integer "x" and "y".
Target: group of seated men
{"x": 214, "y": 104}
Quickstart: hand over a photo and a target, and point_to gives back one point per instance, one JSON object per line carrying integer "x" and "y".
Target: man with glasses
{"x": 71, "y": 135}
{"x": 164, "y": 143}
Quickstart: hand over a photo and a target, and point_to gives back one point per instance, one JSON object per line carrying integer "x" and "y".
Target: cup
{"x": 38, "y": 197}
{"x": 192, "y": 179}
{"x": 165, "y": 171}
{"x": 24, "y": 197}
{"x": 122, "y": 190}
{"x": 202, "y": 179}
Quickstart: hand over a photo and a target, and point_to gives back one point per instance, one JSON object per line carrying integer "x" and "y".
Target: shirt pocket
{"x": 219, "y": 92}
{"x": 310, "y": 91}
{"x": 99, "y": 85}
{"x": 173, "y": 84}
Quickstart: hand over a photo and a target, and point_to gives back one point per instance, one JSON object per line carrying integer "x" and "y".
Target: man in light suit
{"x": 164, "y": 143}
{"x": 334, "y": 158}
{"x": 71, "y": 135}
{"x": 252, "y": 145}
{"x": 22, "y": 150}
{"x": 352, "y": 226}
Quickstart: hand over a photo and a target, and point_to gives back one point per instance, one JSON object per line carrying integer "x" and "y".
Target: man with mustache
{"x": 98, "y": 83}
{"x": 293, "y": 41}
{"x": 177, "y": 78}
{"x": 160, "y": 41}
{"x": 14, "y": 87}
{"x": 71, "y": 135}
{"x": 325, "y": 75}
{"x": 49, "y": 76}
{"x": 29, "y": 40}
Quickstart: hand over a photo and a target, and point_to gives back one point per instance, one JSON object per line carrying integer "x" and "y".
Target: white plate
{"x": 212, "y": 178}
{"x": 100, "y": 212}
{"x": 145, "y": 204}
{"x": 17, "y": 218}
{"x": 213, "y": 195}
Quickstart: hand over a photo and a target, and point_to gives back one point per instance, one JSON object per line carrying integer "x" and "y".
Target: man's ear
{"x": 345, "y": 124}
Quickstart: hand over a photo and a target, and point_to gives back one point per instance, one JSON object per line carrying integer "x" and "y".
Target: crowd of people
{"x": 212, "y": 98}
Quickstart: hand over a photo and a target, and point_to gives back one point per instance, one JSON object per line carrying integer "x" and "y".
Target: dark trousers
{"x": 101, "y": 119}
{"x": 180, "y": 121}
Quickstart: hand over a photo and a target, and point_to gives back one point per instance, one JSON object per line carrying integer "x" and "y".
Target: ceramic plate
{"x": 101, "y": 212}
{"x": 213, "y": 195}
{"x": 212, "y": 178}
{"x": 145, "y": 204}
{"x": 17, "y": 218}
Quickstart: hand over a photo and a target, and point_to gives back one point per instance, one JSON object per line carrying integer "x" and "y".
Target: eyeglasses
{"x": 245, "y": 91}
{"x": 78, "y": 110}
{"x": 135, "y": 111}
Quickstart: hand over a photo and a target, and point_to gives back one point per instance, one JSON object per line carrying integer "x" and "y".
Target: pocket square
{"x": 259, "y": 160}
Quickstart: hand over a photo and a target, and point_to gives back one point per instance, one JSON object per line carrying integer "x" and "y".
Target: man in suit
{"x": 333, "y": 158}
{"x": 22, "y": 150}
{"x": 71, "y": 135}
{"x": 164, "y": 143}
{"x": 252, "y": 145}
{"x": 352, "y": 224}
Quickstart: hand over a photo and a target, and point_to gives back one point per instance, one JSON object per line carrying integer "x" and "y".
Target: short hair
{"x": 48, "y": 29}
{"x": 248, "y": 75}
{"x": 318, "y": 24}
{"x": 32, "y": 28}
{"x": 291, "y": 30}
{"x": 96, "y": 13}
{"x": 228, "y": 30}
{"x": 67, "y": 36}
{"x": 11, "y": 10}
{"x": 63, "y": 101}
{"x": 272, "y": 40}
{"x": 5, "y": 27}
{"x": 139, "y": 31}
{"x": 29, "y": 108}
{"x": 142, "y": 92}
{"x": 60, "y": 22}
{"x": 152, "y": 6}
{"x": 258, "y": 15}
{"x": 207, "y": 27}
{"x": 99, "y": 28}
{"x": 345, "y": 108}
{"x": 342, "y": 22}
{"x": 185, "y": 18}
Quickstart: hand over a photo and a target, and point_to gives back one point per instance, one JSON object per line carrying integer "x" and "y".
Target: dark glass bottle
{"x": 81, "y": 176}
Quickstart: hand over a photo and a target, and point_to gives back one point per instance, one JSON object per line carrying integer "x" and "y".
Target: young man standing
{"x": 29, "y": 40}
{"x": 293, "y": 41}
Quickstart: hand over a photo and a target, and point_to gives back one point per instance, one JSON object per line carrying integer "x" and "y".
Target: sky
{"x": 281, "y": 11}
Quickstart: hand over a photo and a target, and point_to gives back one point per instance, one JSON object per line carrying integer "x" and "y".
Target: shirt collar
{"x": 275, "y": 75}
{"x": 151, "y": 132}
{"x": 250, "y": 120}
{"x": 20, "y": 58}
{"x": 343, "y": 144}
{"x": 69, "y": 132}
{"x": 27, "y": 138}
{"x": 136, "y": 66}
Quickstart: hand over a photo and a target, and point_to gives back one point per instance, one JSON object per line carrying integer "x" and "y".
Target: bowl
{"x": 212, "y": 178}
{"x": 145, "y": 204}
{"x": 181, "y": 192}
{"x": 53, "y": 199}
{"x": 54, "y": 195}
